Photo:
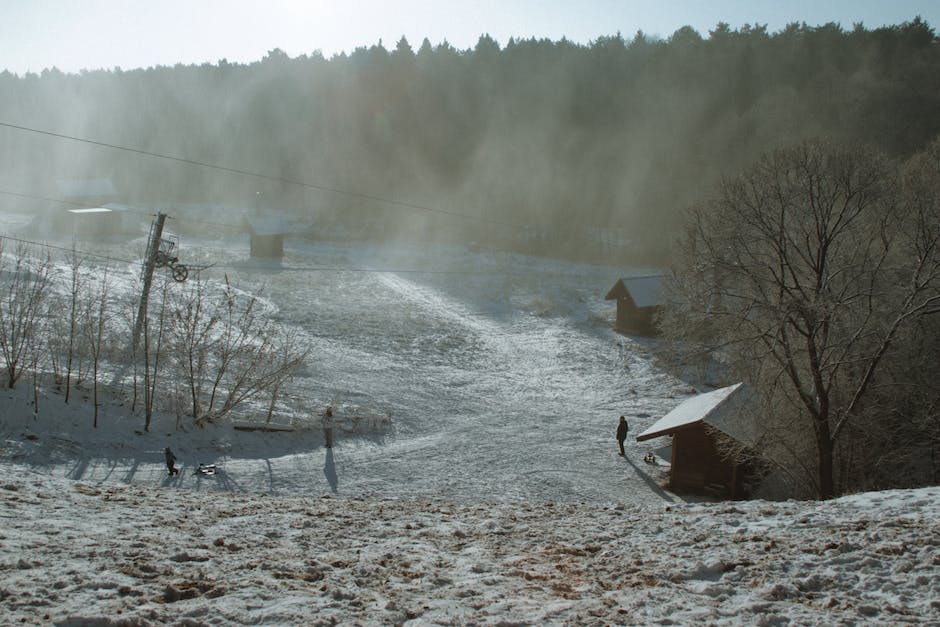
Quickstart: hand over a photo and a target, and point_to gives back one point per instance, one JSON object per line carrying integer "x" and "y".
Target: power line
{"x": 334, "y": 269}
{"x": 188, "y": 219}
{"x": 84, "y": 253}
{"x": 211, "y": 223}
{"x": 268, "y": 177}
{"x": 73, "y": 203}
{"x": 124, "y": 206}
{"x": 339, "y": 269}
{"x": 32, "y": 197}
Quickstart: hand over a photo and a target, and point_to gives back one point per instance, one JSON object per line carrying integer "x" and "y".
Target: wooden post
{"x": 156, "y": 232}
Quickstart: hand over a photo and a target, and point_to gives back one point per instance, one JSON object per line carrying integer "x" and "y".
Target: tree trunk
{"x": 824, "y": 449}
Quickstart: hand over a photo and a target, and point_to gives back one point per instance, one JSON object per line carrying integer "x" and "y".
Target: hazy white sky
{"x": 88, "y": 34}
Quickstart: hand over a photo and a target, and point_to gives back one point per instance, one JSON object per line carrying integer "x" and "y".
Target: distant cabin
{"x": 638, "y": 300}
{"x": 267, "y": 236}
{"x": 94, "y": 211}
{"x": 704, "y": 430}
{"x": 107, "y": 220}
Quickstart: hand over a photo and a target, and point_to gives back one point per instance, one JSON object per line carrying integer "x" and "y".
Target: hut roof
{"x": 719, "y": 408}
{"x": 646, "y": 291}
{"x": 269, "y": 225}
{"x": 108, "y": 207}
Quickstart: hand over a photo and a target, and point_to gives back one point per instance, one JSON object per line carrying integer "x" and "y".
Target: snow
{"x": 491, "y": 494}
{"x": 646, "y": 291}
{"x": 74, "y": 552}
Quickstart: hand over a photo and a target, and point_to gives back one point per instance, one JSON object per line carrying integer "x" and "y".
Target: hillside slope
{"x": 80, "y": 553}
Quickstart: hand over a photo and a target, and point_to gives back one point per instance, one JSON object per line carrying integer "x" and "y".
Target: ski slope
{"x": 500, "y": 372}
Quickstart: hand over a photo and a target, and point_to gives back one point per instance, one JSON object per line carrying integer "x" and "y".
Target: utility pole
{"x": 156, "y": 232}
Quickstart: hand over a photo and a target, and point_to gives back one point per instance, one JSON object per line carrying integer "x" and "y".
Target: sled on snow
{"x": 205, "y": 469}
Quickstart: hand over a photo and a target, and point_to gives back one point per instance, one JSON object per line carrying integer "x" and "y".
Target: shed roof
{"x": 713, "y": 408}
{"x": 646, "y": 291}
{"x": 107, "y": 207}
{"x": 269, "y": 225}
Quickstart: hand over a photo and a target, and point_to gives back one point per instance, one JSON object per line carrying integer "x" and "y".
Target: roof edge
{"x": 668, "y": 431}
{"x": 672, "y": 429}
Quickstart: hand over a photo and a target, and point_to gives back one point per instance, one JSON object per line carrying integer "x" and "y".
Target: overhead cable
{"x": 268, "y": 177}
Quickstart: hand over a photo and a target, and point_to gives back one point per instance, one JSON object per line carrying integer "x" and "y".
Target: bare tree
{"x": 97, "y": 314}
{"x": 23, "y": 283}
{"x": 800, "y": 275}
{"x": 75, "y": 289}
{"x": 230, "y": 351}
{"x": 193, "y": 329}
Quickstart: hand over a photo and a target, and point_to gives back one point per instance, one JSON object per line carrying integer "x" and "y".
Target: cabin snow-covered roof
{"x": 108, "y": 207}
{"x": 85, "y": 188}
{"x": 269, "y": 225}
{"x": 713, "y": 408}
{"x": 646, "y": 291}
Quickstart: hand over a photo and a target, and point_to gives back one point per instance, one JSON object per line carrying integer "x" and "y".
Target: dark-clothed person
{"x": 170, "y": 462}
{"x": 622, "y": 429}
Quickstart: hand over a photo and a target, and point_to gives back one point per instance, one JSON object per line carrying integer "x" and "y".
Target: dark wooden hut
{"x": 638, "y": 299}
{"x": 267, "y": 236}
{"x": 707, "y": 430}
{"x": 110, "y": 219}
{"x": 94, "y": 212}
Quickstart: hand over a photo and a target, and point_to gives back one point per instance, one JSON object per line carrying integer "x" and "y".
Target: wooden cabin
{"x": 638, "y": 300}
{"x": 703, "y": 429}
{"x": 110, "y": 219}
{"x": 94, "y": 212}
{"x": 267, "y": 236}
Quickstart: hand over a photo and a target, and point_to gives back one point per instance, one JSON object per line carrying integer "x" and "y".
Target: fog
{"x": 537, "y": 145}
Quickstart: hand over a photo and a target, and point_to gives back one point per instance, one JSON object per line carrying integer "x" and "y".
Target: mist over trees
{"x": 621, "y": 133}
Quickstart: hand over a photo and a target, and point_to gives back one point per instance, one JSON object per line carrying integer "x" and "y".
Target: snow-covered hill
{"x": 501, "y": 375}
{"x": 494, "y": 495}
{"x": 80, "y": 553}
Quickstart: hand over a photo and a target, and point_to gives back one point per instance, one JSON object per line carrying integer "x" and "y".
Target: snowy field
{"x": 92, "y": 553}
{"x": 500, "y": 374}
{"x": 493, "y": 494}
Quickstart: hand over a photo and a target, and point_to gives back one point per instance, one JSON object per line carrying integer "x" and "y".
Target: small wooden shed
{"x": 94, "y": 212}
{"x": 110, "y": 219}
{"x": 703, "y": 429}
{"x": 267, "y": 236}
{"x": 638, "y": 299}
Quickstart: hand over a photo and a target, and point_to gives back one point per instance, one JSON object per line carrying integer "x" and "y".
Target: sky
{"x": 74, "y": 35}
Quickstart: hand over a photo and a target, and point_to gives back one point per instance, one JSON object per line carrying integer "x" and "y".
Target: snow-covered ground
{"x": 99, "y": 553}
{"x": 494, "y": 495}
{"x": 500, "y": 373}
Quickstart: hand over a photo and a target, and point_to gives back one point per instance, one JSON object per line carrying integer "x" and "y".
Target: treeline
{"x": 623, "y": 132}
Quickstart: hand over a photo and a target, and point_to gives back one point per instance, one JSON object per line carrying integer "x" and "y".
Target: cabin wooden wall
{"x": 267, "y": 246}
{"x": 633, "y": 319}
{"x": 698, "y": 467}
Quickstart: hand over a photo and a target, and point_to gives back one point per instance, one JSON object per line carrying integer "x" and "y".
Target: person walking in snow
{"x": 622, "y": 429}
{"x": 328, "y": 426}
{"x": 170, "y": 462}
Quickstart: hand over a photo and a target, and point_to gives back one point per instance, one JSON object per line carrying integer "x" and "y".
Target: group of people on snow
{"x": 622, "y": 429}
